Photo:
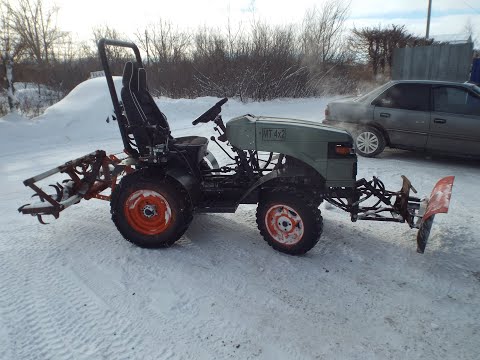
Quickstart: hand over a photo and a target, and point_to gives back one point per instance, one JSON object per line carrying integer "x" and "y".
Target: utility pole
{"x": 428, "y": 18}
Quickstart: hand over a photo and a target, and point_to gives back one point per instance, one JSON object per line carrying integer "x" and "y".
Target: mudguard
{"x": 212, "y": 160}
{"x": 438, "y": 203}
{"x": 187, "y": 181}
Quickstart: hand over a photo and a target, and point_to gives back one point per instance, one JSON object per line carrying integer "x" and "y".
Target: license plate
{"x": 273, "y": 134}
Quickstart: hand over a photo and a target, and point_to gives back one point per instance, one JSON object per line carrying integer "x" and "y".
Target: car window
{"x": 406, "y": 96}
{"x": 456, "y": 101}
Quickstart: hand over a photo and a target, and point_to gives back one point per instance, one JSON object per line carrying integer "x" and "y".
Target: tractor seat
{"x": 148, "y": 124}
{"x": 195, "y": 146}
{"x": 187, "y": 141}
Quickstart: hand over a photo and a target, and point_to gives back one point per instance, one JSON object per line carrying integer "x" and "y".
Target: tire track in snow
{"x": 50, "y": 316}
{"x": 166, "y": 312}
{"x": 194, "y": 322}
{"x": 246, "y": 258}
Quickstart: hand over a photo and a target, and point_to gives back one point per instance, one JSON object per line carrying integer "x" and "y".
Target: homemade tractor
{"x": 286, "y": 166}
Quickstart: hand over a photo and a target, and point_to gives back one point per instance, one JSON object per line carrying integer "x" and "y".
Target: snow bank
{"x": 80, "y": 117}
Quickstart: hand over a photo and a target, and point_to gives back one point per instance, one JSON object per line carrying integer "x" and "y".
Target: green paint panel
{"x": 304, "y": 140}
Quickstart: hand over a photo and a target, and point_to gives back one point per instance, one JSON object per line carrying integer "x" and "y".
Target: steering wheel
{"x": 211, "y": 113}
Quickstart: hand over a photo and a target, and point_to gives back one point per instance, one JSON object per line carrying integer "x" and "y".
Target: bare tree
{"x": 164, "y": 42}
{"x": 117, "y": 55}
{"x": 322, "y": 43}
{"x": 168, "y": 51}
{"x": 376, "y": 45}
{"x": 469, "y": 29}
{"x": 36, "y": 25}
{"x": 11, "y": 47}
{"x": 322, "y": 32}
{"x": 234, "y": 37}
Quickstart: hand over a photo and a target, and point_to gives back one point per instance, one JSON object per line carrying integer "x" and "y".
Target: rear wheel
{"x": 369, "y": 142}
{"x": 149, "y": 212}
{"x": 289, "y": 223}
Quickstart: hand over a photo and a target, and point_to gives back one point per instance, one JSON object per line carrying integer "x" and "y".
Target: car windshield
{"x": 374, "y": 92}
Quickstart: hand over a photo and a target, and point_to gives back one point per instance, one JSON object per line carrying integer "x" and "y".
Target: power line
{"x": 471, "y": 7}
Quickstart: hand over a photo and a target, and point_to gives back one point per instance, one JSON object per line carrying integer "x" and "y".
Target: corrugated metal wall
{"x": 448, "y": 62}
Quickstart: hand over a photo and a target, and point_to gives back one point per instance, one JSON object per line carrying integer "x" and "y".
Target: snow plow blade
{"x": 438, "y": 203}
{"x": 89, "y": 175}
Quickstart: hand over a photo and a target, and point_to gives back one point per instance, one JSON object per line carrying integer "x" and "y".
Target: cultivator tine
{"x": 58, "y": 190}
{"x": 21, "y": 207}
{"x": 39, "y": 197}
{"x": 40, "y": 219}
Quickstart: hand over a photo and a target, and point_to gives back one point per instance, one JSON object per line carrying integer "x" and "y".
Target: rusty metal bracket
{"x": 88, "y": 176}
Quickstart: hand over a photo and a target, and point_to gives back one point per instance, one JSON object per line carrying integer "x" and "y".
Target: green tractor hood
{"x": 304, "y": 140}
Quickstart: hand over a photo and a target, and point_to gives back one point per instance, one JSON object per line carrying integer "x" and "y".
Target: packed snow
{"x": 75, "y": 289}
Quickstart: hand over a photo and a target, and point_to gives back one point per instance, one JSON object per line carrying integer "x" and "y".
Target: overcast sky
{"x": 80, "y": 16}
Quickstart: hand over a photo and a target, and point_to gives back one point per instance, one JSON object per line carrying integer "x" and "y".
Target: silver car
{"x": 434, "y": 116}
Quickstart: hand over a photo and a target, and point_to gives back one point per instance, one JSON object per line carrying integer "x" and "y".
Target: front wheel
{"x": 149, "y": 212}
{"x": 369, "y": 142}
{"x": 289, "y": 223}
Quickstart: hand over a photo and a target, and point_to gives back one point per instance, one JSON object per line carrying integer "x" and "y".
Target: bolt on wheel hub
{"x": 148, "y": 212}
{"x": 284, "y": 224}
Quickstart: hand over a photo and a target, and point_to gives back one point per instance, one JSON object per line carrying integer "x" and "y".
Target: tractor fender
{"x": 275, "y": 174}
{"x": 187, "y": 181}
{"x": 212, "y": 160}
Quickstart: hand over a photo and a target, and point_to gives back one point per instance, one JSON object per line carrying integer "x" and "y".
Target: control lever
{"x": 219, "y": 122}
{"x": 220, "y": 146}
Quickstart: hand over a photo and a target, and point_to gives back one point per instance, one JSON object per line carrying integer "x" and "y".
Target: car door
{"x": 404, "y": 112}
{"x": 455, "y": 121}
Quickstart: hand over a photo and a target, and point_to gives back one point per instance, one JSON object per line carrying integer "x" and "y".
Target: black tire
{"x": 369, "y": 142}
{"x": 135, "y": 213}
{"x": 287, "y": 208}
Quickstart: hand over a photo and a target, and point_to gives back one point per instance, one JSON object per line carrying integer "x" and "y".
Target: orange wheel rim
{"x": 148, "y": 212}
{"x": 284, "y": 224}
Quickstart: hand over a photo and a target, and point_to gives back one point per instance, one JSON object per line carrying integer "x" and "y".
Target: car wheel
{"x": 369, "y": 142}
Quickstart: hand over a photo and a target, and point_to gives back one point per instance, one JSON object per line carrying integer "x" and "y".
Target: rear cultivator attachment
{"x": 89, "y": 175}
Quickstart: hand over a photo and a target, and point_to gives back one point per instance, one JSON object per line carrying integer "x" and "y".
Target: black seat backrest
{"x": 147, "y": 123}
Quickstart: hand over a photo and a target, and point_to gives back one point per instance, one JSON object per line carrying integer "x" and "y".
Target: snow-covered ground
{"x": 76, "y": 290}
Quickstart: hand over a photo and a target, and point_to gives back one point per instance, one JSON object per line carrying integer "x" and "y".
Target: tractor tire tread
{"x": 118, "y": 218}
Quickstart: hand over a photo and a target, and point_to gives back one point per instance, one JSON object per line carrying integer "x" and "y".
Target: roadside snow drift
{"x": 76, "y": 290}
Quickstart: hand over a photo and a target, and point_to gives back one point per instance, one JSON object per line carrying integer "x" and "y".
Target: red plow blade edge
{"x": 438, "y": 203}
